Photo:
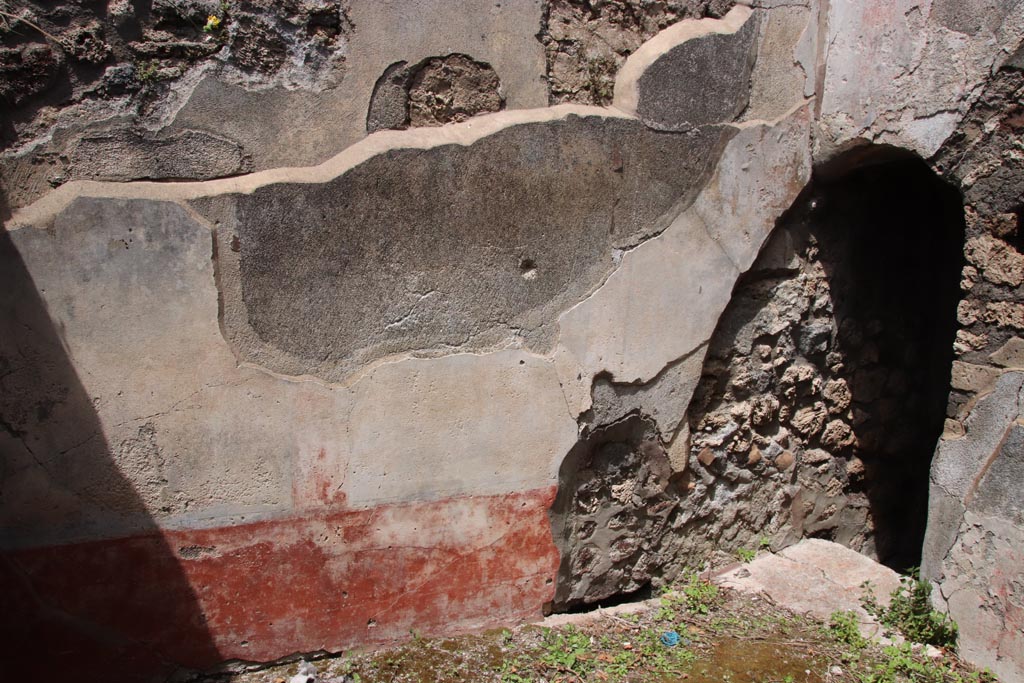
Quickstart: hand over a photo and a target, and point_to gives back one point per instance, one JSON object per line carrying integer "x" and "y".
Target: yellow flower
{"x": 212, "y": 22}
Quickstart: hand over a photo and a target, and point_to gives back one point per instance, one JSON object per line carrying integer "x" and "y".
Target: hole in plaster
{"x": 433, "y": 92}
{"x": 614, "y": 500}
{"x": 644, "y": 592}
{"x": 528, "y": 269}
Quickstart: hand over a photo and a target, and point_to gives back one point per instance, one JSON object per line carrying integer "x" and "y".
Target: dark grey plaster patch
{"x": 664, "y": 399}
{"x": 455, "y": 248}
{"x": 703, "y": 80}
{"x": 188, "y": 155}
{"x": 389, "y": 103}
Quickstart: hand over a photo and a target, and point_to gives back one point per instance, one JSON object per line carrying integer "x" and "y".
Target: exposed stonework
{"x": 972, "y": 549}
{"x": 586, "y": 41}
{"x": 451, "y": 89}
{"x": 303, "y": 62}
{"x": 826, "y": 380}
{"x": 613, "y": 509}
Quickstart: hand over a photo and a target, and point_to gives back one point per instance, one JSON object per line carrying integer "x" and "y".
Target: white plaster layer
{"x": 41, "y": 212}
{"x": 665, "y": 299}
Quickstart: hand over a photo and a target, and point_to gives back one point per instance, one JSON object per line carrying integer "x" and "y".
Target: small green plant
{"x": 666, "y": 611}
{"x": 147, "y": 72}
{"x": 900, "y": 664}
{"x": 746, "y": 554}
{"x": 601, "y": 79}
{"x": 699, "y": 595}
{"x": 765, "y": 543}
{"x": 510, "y": 673}
{"x": 844, "y": 628}
{"x": 566, "y": 651}
{"x": 910, "y": 612}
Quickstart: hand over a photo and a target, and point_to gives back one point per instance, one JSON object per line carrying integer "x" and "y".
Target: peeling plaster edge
{"x": 695, "y": 212}
{"x": 44, "y": 210}
{"x": 627, "y": 80}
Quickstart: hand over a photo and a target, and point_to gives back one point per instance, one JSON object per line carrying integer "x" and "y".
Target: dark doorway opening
{"x": 890, "y": 234}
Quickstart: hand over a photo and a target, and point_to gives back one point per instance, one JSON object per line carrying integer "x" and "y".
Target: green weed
{"x": 900, "y": 665}
{"x": 843, "y": 626}
{"x": 567, "y": 650}
{"x": 910, "y": 612}
{"x": 746, "y": 554}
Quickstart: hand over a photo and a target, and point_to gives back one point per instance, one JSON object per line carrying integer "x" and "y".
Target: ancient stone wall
{"x": 440, "y": 317}
{"x": 972, "y": 551}
{"x": 826, "y": 382}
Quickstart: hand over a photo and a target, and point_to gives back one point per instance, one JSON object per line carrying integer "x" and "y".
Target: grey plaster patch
{"x": 664, "y": 399}
{"x": 122, "y": 399}
{"x": 703, "y": 80}
{"x": 971, "y": 16}
{"x": 1010, "y": 354}
{"x": 958, "y": 463}
{"x": 999, "y": 491}
{"x": 984, "y": 592}
{"x": 972, "y": 547}
{"x": 902, "y": 73}
{"x": 453, "y": 248}
{"x": 389, "y": 103}
{"x": 763, "y": 168}
{"x": 123, "y": 155}
{"x": 945, "y": 513}
{"x": 778, "y": 79}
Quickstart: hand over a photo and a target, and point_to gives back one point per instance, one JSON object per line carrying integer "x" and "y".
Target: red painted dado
{"x": 136, "y": 608}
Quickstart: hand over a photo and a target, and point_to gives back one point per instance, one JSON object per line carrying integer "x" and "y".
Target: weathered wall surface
{"x": 235, "y": 99}
{"x": 972, "y": 550}
{"x": 445, "y": 377}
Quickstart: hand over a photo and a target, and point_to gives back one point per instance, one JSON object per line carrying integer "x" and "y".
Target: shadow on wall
{"x": 833, "y": 358}
{"x": 891, "y": 239}
{"x": 116, "y": 609}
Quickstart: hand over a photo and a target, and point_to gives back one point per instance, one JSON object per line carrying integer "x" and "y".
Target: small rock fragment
{"x": 785, "y": 460}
